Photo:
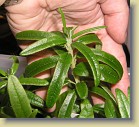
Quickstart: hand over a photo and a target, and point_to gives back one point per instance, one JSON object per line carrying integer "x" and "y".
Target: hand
{"x": 43, "y": 15}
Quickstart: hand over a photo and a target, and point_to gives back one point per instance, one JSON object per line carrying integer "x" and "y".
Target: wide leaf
{"x": 41, "y": 65}
{"x": 18, "y": 98}
{"x": 92, "y": 60}
{"x": 82, "y": 90}
{"x": 86, "y": 110}
{"x": 58, "y": 79}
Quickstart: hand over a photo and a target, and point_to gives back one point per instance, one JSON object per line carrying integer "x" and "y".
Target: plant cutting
{"x": 79, "y": 64}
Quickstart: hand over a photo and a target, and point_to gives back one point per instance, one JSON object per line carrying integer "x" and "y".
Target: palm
{"x": 42, "y": 15}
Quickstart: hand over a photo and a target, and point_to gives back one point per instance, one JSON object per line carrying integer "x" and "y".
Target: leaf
{"x": 89, "y": 38}
{"x": 109, "y": 60}
{"x": 108, "y": 91}
{"x": 33, "y": 81}
{"x": 100, "y": 92}
{"x": 6, "y": 112}
{"x": 107, "y": 73}
{"x": 41, "y": 65}
{"x": 86, "y": 110}
{"x": 15, "y": 65}
{"x": 82, "y": 90}
{"x": 58, "y": 79}
{"x": 129, "y": 94}
{"x": 34, "y": 35}
{"x": 3, "y": 84}
{"x": 43, "y": 44}
{"x": 35, "y": 100}
{"x": 110, "y": 109}
{"x": 18, "y": 98}
{"x": 63, "y": 19}
{"x": 123, "y": 104}
{"x": 90, "y": 30}
{"x": 92, "y": 60}
{"x": 67, "y": 106}
{"x": 99, "y": 109}
{"x": 34, "y": 113}
{"x": 2, "y": 73}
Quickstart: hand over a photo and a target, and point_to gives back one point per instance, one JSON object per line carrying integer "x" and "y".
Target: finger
{"x": 116, "y": 13}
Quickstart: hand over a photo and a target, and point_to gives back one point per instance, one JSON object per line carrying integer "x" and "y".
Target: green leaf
{"x": 67, "y": 106}
{"x": 3, "y": 84}
{"x": 15, "y": 65}
{"x": 108, "y": 91}
{"x": 90, "y": 30}
{"x": 58, "y": 79}
{"x": 129, "y": 94}
{"x": 92, "y": 60}
{"x": 59, "y": 50}
{"x": 41, "y": 65}
{"x": 33, "y": 81}
{"x": 6, "y": 112}
{"x": 89, "y": 38}
{"x": 2, "y": 73}
{"x": 82, "y": 90}
{"x": 34, "y": 35}
{"x": 34, "y": 113}
{"x": 18, "y": 98}
{"x": 99, "y": 109}
{"x": 107, "y": 73}
{"x": 123, "y": 104}
{"x": 35, "y": 100}
{"x": 63, "y": 19}
{"x": 100, "y": 92}
{"x": 43, "y": 44}
{"x": 109, "y": 60}
{"x": 86, "y": 110}
{"x": 110, "y": 109}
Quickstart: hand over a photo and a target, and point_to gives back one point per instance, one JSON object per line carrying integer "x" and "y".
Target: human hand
{"x": 43, "y": 15}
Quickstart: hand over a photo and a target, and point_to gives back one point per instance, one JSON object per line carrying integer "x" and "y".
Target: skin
{"x": 43, "y": 15}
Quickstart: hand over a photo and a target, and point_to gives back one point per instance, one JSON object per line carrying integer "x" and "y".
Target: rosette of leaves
{"x": 80, "y": 65}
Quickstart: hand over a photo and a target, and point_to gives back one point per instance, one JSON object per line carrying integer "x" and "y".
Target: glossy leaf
{"x": 15, "y": 65}
{"x": 107, "y": 73}
{"x": 34, "y": 35}
{"x": 82, "y": 90}
{"x": 43, "y": 44}
{"x": 123, "y": 104}
{"x": 18, "y": 98}
{"x": 41, "y": 65}
{"x": 58, "y": 79}
{"x": 90, "y": 30}
{"x": 89, "y": 38}
{"x": 108, "y": 91}
{"x": 92, "y": 60}
{"x": 33, "y": 81}
{"x": 86, "y": 110}
{"x": 100, "y": 92}
{"x": 110, "y": 109}
{"x": 35, "y": 100}
{"x": 67, "y": 106}
{"x": 109, "y": 60}
{"x": 99, "y": 109}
